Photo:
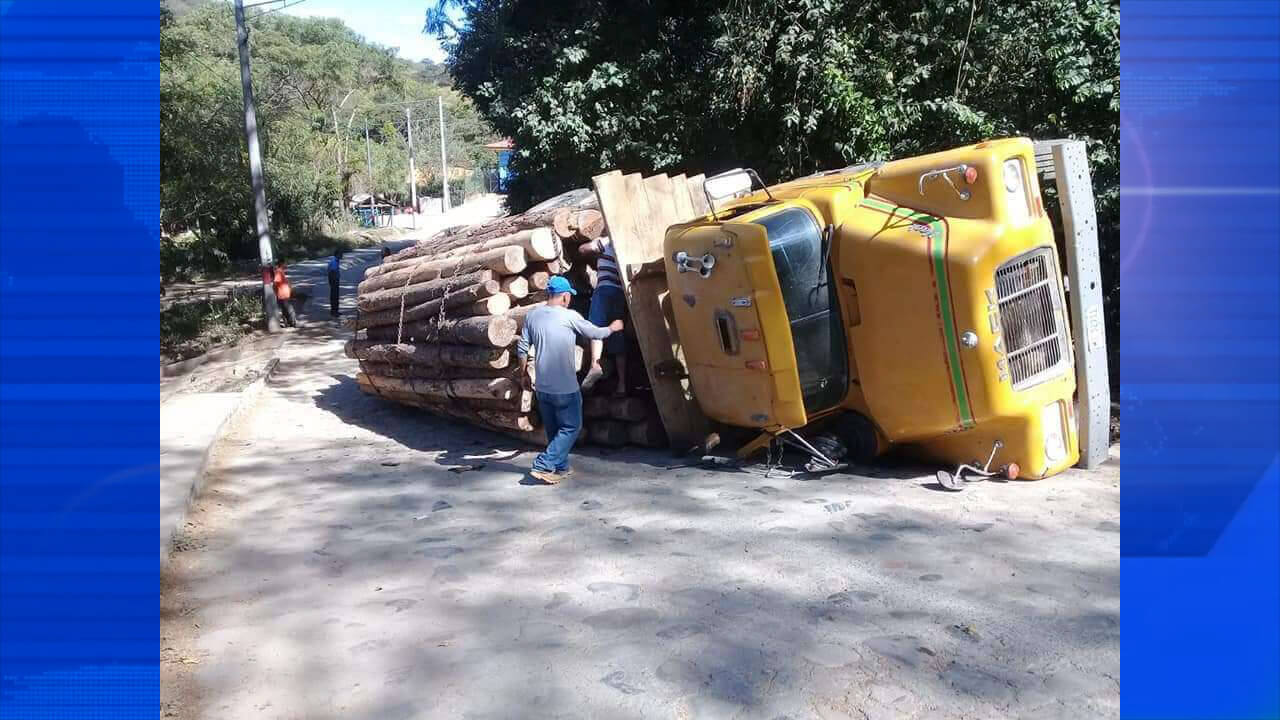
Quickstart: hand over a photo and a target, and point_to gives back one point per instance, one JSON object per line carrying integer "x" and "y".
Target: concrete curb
{"x": 243, "y": 406}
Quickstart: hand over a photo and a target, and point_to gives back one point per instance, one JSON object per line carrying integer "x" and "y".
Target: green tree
{"x": 316, "y": 81}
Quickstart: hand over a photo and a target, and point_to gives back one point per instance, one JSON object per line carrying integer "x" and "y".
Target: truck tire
{"x": 858, "y": 436}
{"x": 829, "y": 444}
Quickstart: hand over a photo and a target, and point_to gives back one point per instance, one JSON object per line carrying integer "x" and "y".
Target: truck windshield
{"x": 795, "y": 240}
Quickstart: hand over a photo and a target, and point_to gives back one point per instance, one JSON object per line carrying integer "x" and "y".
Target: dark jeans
{"x": 562, "y": 419}
{"x": 287, "y": 311}
{"x": 333, "y": 293}
{"x": 608, "y": 303}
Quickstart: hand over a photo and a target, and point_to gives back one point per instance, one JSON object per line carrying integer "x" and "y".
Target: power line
{"x": 272, "y": 10}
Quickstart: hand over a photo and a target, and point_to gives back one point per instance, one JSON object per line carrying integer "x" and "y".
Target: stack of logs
{"x": 437, "y": 324}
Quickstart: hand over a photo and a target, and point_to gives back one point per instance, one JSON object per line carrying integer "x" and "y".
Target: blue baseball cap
{"x": 558, "y": 284}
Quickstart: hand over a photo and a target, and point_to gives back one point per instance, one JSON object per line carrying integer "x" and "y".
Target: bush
{"x": 191, "y": 328}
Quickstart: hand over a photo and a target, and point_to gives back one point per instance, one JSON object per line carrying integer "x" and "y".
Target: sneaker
{"x": 565, "y": 473}
{"x": 549, "y": 478}
{"x": 593, "y": 377}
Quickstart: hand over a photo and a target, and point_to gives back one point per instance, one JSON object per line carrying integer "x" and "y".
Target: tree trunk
{"x": 497, "y": 331}
{"x": 559, "y": 266}
{"x": 502, "y": 227}
{"x": 458, "y": 298}
{"x": 435, "y": 372}
{"x": 449, "y": 390}
{"x": 628, "y": 409}
{"x": 432, "y": 354}
{"x": 588, "y": 224}
{"x": 537, "y": 243}
{"x": 502, "y": 261}
{"x": 647, "y": 433}
{"x": 416, "y": 293}
{"x": 517, "y": 286}
{"x": 589, "y": 249}
{"x": 502, "y": 420}
{"x": 518, "y": 314}
{"x": 607, "y": 432}
{"x": 493, "y": 305}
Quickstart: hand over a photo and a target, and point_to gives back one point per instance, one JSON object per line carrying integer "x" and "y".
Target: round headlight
{"x": 1012, "y": 177}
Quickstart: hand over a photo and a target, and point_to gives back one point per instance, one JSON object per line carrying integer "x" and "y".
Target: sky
{"x": 396, "y": 23}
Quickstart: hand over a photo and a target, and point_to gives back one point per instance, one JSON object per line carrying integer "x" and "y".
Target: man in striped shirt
{"x": 608, "y": 303}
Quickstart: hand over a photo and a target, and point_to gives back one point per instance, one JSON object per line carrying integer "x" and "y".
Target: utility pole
{"x": 444, "y": 162}
{"x": 368, "y": 151}
{"x": 255, "y": 172}
{"x": 413, "y": 172}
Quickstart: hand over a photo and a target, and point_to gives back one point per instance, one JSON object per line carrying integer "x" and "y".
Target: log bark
{"x": 550, "y": 267}
{"x": 417, "y": 293}
{"x": 436, "y": 372}
{"x": 517, "y": 286}
{"x": 448, "y": 390}
{"x": 522, "y": 403}
{"x": 493, "y": 305}
{"x": 500, "y": 420}
{"x": 588, "y": 224}
{"x": 519, "y": 313}
{"x": 607, "y": 432}
{"x": 503, "y": 227}
{"x": 495, "y": 331}
{"x": 432, "y": 354}
{"x": 457, "y": 298}
{"x": 538, "y": 244}
{"x": 647, "y": 433}
{"x": 562, "y": 224}
{"x": 627, "y": 409}
{"x": 502, "y": 261}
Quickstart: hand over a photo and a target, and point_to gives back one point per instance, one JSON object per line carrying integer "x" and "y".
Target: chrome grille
{"x": 1031, "y": 318}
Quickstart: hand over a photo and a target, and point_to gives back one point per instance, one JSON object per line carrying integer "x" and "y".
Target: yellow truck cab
{"x": 916, "y": 302}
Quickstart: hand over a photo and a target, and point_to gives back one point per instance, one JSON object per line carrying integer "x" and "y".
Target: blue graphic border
{"x": 79, "y": 341}
{"x": 1200, "y": 341}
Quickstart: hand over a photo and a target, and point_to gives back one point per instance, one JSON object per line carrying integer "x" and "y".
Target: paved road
{"x": 346, "y": 563}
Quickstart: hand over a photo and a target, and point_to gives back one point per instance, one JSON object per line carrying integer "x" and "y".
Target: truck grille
{"x": 1031, "y": 318}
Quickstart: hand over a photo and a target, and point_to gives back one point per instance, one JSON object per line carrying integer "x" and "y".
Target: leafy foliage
{"x": 786, "y": 87}
{"x": 188, "y": 329}
{"x": 315, "y": 83}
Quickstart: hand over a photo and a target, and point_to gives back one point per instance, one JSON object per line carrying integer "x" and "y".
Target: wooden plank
{"x": 684, "y": 201}
{"x": 637, "y": 239}
{"x": 696, "y": 195}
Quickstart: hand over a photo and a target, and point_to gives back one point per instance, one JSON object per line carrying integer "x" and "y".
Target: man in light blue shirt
{"x": 552, "y": 331}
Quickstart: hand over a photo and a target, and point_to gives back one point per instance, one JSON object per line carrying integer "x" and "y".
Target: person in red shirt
{"x": 284, "y": 295}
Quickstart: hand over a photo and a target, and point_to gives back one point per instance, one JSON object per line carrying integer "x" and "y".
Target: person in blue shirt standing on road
{"x": 334, "y": 267}
{"x": 551, "y": 331}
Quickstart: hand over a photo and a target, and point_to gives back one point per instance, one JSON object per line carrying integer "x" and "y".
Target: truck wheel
{"x": 858, "y": 436}
{"x": 830, "y": 445}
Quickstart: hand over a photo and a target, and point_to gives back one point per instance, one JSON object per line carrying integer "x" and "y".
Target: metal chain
{"x": 448, "y": 288}
{"x": 404, "y": 293}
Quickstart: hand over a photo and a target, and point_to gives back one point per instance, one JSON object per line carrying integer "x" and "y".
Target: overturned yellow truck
{"x": 917, "y": 302}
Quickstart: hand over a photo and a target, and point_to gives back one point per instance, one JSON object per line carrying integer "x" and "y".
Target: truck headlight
{"x": 1055, "y": 437}
{"x": 1016, "y": 198}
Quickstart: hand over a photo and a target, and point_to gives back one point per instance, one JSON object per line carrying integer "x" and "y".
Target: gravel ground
{"x": 344, "y": 564}
{"x": 355, "y": 559}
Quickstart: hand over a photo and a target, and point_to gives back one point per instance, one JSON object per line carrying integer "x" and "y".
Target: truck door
{"x": 800, "y": 253}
